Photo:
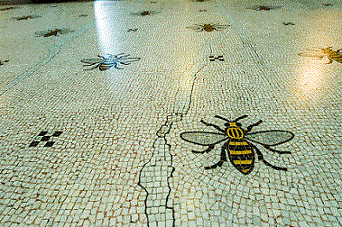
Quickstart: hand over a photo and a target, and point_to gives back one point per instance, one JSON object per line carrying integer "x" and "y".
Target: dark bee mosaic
{"x": 144, "y": 13}
{"x": 241, "y": 145}
{"x": 288, "y": 23}
{"x": 208, "y": 27}
{"x": 8, "y": 8}
{"x": 265, "y": 8}
{"x": 54, "y": 32}
{"x": 132, "y": 30}
{"x": 104, "y": 63}
{"x": 320, "y": 53}
{"x": 2, "y": 62}
{"x": 25, "y": 17}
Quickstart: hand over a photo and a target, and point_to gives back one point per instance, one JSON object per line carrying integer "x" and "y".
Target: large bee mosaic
{"x": 320, "y": 53}
{"x": 104, "y": 63}
{"x": 54, "y": 32}
{"x": 241, "y": 143}
{"x": 208, "y": 27}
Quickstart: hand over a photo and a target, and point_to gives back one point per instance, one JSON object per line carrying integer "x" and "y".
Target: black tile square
{"x": 34, "y": 144}
{"x": 45, "y": 138}
{"x": 49, "y": 144}
{"x": 213, "y": 58}
{"x": 57, "y": 133}
{"x": 43, "y": 133}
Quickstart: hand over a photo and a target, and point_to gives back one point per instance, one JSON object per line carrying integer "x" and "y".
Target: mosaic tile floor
{"x": 171, "y": 113}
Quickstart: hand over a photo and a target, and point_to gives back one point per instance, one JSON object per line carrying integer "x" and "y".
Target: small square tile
{"x": 57, "y": 133}
{"x": 34, "y": 144}
{"x": 45, "y": 138}
{"x": 43, "y": 133}
{"x": 49, "y": 144}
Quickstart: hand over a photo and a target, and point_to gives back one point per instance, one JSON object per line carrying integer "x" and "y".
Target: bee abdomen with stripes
{"x": 241, "y": 155}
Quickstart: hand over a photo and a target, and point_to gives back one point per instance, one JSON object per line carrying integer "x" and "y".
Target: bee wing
{"x": 203, "y": 138}
{"x": 312, "y": 55}
{"x": 222, "y": 26}
{"x": 270, "y": 138}
{"x": 65, "y": 31}
{"x": 92, "y": 61}
{"x": 196, "y": 27}
{"x": 129, "y": 60}
{"x": 41, "y": 33}
{"x": 34, "y": 16}
{"x": 17, "y": 18}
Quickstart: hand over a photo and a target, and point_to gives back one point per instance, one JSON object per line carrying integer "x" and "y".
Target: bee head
{"x": 233, "y": 124}
{"x": 233, "y": 128}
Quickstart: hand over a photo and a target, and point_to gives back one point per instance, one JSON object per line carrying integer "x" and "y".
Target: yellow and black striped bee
{"x": 104, "y": 63}
{"x": 320, "y": 53}
{"x": 240, "y": 145}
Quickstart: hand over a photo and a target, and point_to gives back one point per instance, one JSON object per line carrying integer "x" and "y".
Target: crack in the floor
{"x": 155, "y": 174}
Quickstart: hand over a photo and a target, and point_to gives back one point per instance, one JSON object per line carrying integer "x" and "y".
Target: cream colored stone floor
{"x": 87, "y": 140}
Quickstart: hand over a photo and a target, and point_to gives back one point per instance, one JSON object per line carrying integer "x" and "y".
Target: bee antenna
{"x": 239, "y": 118}
{"x": 222, "y": 118}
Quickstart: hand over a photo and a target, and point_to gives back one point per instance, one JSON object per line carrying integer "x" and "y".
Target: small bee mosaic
{"x": 55, "y": 32}
{"x": 208, "y": 27}
{"x": 144, "y": 13}
{"x": 104, "y": 63}
{"x": 26, "y": 17}
{"x": 132, "y": 30}
{"x": 265, "y": 8}
{"x": 2, "y": 62}
{"x": 288, "y": 23}
{"x": 241, "y": 145}
{"x": 320, "y": 53}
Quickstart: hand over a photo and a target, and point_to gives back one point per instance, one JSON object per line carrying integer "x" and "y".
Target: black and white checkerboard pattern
{"x": 218, "y": 58}
{"x": 43, "y": 137}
